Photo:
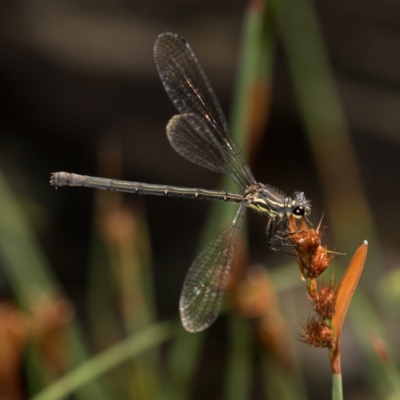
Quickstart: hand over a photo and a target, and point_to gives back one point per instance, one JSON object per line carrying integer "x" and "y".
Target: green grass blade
{"x": 182, "y": 357}
{"x": 96, "y": 366}
{"x": 239, "y": 360}
{"x": 281, "y": 384}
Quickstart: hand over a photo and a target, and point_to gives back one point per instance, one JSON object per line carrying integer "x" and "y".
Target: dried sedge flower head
{"x": 316, "y": 333}
{"x": 313, "y": 259}
{"x": 324, "y": 301}
{"x": 319, "y": 262}
{"x": 305, "y": 239}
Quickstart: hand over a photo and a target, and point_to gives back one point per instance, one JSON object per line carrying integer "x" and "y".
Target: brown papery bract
{"x": 344, "y": 294}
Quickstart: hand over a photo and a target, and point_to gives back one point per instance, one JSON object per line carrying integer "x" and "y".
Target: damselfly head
{"x": 301, "y": 207}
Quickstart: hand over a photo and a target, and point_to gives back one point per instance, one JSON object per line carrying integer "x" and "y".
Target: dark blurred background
{"x": 78, "y": 77}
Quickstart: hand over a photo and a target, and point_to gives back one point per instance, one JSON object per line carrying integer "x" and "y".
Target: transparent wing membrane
{"x": 191, "y": 93}
{"x": 206, "y": 280}
{"x": 189, "y": 135}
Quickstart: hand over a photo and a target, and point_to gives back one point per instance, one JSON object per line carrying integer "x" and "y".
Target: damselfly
{"x": 200, "y": 134}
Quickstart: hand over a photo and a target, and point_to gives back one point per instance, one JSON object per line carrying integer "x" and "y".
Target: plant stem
{"x": 337, "y": 390}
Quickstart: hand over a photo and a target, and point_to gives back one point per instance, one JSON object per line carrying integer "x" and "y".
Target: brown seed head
{"x": 316, "y": 333}
{"x": 313, "y": 259}
{"x": 305, "y": 239}
{"x": 319, "y": 262}
{"x": 324, "y": 301}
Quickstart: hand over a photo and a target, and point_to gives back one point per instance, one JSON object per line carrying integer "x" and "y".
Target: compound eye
{"x": 298, "y": 212}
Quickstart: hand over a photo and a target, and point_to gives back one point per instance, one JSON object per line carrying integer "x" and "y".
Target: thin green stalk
{"x": 238, "y": 362}
{"x": 96, "y": 366}
{"x": 104, "y": 327}
{"x": 254, "y": 70}
{"x": 250, "y": 60}
{"x": 181, "y": 364}
{"x": 24, "y": 262}
{"x": 392, "y": 375}
{"x": 337, "y": 390}
{"x": 281, "y": 384}
{"x": 363, "y": 315}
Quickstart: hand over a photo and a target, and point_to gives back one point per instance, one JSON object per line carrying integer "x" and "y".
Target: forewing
{"x": 190, "y": 91}
{"x": 206, "y": 279}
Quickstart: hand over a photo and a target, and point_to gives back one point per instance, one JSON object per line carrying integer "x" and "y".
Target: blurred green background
{"x": 90, "y": 282}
